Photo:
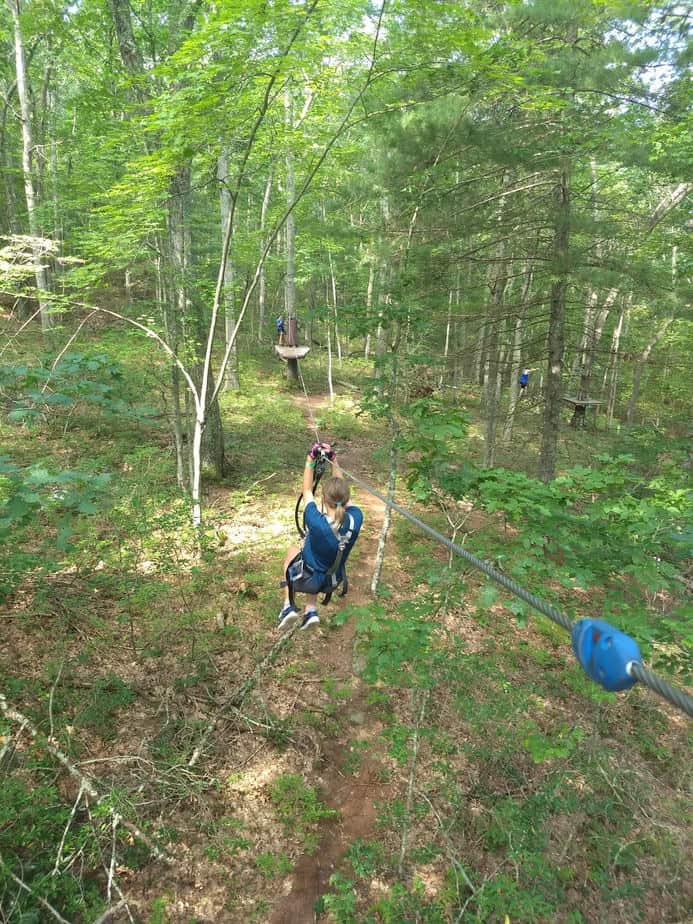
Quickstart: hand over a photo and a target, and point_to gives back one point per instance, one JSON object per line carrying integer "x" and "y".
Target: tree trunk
{"x": 613, "y": 369}
{"x": 210, "y": 439}
{"x": 172, "y": 338}
{"x": 382, "y": 541}
{"x": 556, "y": 336}
{"x": 128, "y": 47}
{"x": 661, "y": 331}
{"x": 516, "y": 357}
{"x": 231, "y": 376}
{"x": 290, "y": 231}
{"x": 480, "y": 354}
{"x": 369, "y": 306}
{"x": 594, "y": 327}
{"x": 446, "y": 346}
{"x": 640, "y": 365}
{"x": 333, "y": 287}
{"x": 39, "y": 246}
{"x": 329, "y": 363}
{"x": 499, "y": 281}
{"x": 262, "y": 281}
{"x": 10, "y": 220}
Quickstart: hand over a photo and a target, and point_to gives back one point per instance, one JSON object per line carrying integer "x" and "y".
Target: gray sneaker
{"x": 310, "y": 618}
{"x": 287, "y": 617}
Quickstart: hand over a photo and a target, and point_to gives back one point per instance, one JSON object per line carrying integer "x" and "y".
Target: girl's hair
{"x": 335, "y": 493}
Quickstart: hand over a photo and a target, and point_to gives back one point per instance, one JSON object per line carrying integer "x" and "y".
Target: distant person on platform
{"x": 281, "y": 330}
{"x": 524, "y": 379}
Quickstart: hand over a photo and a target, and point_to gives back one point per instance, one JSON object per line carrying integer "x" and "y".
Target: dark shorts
{"x": 303, "y": 579}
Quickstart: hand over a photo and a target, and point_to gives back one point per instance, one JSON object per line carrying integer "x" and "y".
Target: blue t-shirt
{"x": 524, "y": 378}
{"x": 280, "y": 324}
{"x": 321, "y": 546}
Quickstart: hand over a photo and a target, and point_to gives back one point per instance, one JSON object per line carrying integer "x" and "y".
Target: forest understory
{"x": 433, "y": 753}
{"x": 452, "y": 239}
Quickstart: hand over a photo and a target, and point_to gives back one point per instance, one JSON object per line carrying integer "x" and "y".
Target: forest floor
{"x": 422, "y": 756}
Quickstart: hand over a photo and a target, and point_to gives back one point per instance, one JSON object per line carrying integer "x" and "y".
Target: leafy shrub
{"x": 107, "y": 696}
{"x": 299, "y": 808}
{"x": 32, "y": 821}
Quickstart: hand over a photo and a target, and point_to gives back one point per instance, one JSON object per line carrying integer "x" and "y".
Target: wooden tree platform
{"x": 292, "y": 352}
{"x": 579, "y": 406}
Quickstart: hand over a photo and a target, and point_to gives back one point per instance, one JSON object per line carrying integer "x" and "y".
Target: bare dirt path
{"x": 353, "y": 795}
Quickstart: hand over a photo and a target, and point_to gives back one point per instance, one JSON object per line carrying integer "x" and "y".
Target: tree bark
{"x": 516, "y": 357}
{"x": 39, "y": 246}
{"x": 612, "y": 369}
{"x": 369, "y": 306}
{"x": 382, "y": 541}
{"x": 499, "y": 281}
{"x": 594, "y": 327}
{"x": 661, "y": 331}
{"x": 556, "y": 336}
{"x": 129, "y": 49}
{"x": 640, "y": 365}
{"x": 290, "y": 231}
{"x": 231, "y": 376}
{"x": 262, "y": 281}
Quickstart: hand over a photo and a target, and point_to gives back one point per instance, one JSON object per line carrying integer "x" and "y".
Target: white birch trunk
{"x": 446, "y": 347}
{"x": 38, "y": 245}
{"x": 592, "y": 336}
{"x": 645, "y": 355}
{"x": 262, "y": 282}
{"x": 615, "y": 345}
{"x": 382, "y": 541}
{"x": 640, "y": 365}
{"x": 290, "y": 279}
{"x": 369, "y": 305}
{"x": 231, "y": 374}
{"x": 329, "y": 363}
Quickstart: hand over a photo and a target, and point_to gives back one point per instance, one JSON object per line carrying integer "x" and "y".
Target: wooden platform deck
{"x": 288, "y": 352}
{"x": 579, "y": 406}
{"x": 582, "y": 402}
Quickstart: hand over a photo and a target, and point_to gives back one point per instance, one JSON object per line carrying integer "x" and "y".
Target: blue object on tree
{"x": 605, "y": 653}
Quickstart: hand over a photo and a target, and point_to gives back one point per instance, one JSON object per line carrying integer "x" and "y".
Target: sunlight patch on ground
{"x": 257, "y": 778}
{"x": 250, "y": 528}
{"x": 242, "y": 533}
{"x": 431, "y": 878}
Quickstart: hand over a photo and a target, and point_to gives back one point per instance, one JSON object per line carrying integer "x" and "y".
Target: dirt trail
{"x": 353, "y": 795}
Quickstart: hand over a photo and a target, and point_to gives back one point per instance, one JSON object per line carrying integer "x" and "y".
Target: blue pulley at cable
{"x": 605, "y": 653}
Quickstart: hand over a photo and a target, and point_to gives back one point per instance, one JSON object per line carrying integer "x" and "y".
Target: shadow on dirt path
{"x": 354, "y": 796}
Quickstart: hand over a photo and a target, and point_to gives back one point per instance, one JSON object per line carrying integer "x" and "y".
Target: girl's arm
{"x": 308, "y": 473}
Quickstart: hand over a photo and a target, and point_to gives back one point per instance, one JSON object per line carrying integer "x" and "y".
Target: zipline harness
{"x": 343, "y": 539}
{"x": 608, "y": 656}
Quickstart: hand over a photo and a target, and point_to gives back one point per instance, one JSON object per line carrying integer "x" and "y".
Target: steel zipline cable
{"x": 676, "y": 696}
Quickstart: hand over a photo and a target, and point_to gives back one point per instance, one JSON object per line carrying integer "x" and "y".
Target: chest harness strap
{"x": 343, "y": 540}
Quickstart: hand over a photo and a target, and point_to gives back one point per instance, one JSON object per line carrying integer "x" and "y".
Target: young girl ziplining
{"x": 311, "y": 569}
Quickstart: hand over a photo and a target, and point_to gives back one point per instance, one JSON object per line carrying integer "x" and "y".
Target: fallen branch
{"x": 38, "y": 898}
{"x": 110, "y": 870}
{"x": 86, "y": 783}
{"x": 410, "y": 788}
{"x": 109, "y": 912}
{"x": 56, "y": 865}
{"x": 256, "y": 483}
{"x": 236, "y": 699}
